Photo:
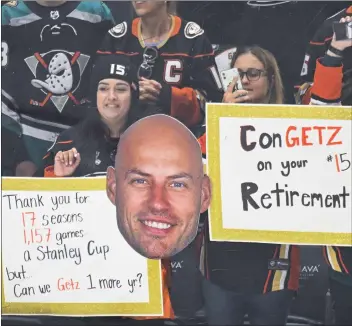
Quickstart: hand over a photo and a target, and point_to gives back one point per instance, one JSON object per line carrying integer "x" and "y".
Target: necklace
{"x": 156, "y": 43}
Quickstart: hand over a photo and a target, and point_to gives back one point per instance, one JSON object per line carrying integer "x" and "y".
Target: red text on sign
{"x": 304, "y": 137}
{"x": 67, "y": 285}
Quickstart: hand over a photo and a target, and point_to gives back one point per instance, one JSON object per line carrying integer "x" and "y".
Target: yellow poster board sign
{"x": 62, "y": 253}
{"x": 280, "y": 174}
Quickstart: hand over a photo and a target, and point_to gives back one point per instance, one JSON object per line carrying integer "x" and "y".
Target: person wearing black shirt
{"x": 47, "y": 52}
{"x": 88, "y": 148}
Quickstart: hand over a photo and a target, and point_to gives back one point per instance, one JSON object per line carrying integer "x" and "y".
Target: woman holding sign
{"x": 249, "y": 278}
{"x": 89, "y": 148}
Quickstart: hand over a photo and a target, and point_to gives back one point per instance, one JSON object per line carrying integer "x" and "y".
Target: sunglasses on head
{"x": 150, "y": 55}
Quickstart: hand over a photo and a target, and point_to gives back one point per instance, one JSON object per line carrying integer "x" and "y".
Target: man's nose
{"x": 158, "y": 201}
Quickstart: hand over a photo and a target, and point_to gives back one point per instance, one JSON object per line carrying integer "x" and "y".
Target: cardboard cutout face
{"x": 159, "y": 188}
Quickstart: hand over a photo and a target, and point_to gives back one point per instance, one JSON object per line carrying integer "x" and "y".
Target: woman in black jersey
{"x": 88, "y": 148}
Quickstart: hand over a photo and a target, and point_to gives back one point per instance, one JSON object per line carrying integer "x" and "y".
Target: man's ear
{"x": 206, "y": 194}
{"x": 111, "y": 184}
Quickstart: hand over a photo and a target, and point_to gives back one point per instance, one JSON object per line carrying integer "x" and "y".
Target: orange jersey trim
{"x": 327, "y": 82}
{"x": 175, "y": 29}
{"x": 293, "y": 282}
{"x": 49, "y": 172}
{"x": 187, "y": 55}
{"x": 203, "y": 143}
{"x": 65, "y": 142}
{"x": 321, "y": 43}
{"x": 168, "y": 311}
{"x": 185, "y": 106}
{"x": 269, "y": 277}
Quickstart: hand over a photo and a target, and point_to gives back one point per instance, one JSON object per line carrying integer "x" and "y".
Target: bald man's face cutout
{"x": 159, "y": 192}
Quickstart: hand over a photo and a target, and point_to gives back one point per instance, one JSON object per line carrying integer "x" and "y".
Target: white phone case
{"x": 227, "y": 77}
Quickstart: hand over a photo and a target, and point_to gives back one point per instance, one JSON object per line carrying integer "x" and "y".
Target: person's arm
{"x": 26, "y": 169}
{"x": 61, "y": 144}
{"x": 315, "y": 49}
{"x": 24, "y": 166}
{"x": 327, "y": 81}
{"x": 188, "y": 103}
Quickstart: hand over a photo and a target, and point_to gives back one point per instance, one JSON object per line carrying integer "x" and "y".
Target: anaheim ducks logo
{"x": 119, "y": 30}
{"x": 193, "y": 30}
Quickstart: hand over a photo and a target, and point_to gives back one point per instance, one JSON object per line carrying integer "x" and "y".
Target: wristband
{"x": 330, "y": 61}
{"x": 335, "y": 51}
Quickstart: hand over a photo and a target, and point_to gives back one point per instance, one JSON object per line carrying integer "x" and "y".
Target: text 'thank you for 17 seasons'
{"x": 65, "y": 247}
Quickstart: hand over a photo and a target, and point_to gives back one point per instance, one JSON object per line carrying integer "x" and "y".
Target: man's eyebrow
{"x": 171, "y": 177}
{"x": 136, "y": 171}
{"x": 180, "y": 175}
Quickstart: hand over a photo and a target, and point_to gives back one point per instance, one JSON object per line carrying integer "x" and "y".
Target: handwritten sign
{"x": 62, "y": 253}
{"x": 281, "y": 174}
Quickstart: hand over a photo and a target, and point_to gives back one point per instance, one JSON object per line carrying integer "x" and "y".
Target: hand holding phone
{"x": 237, "y": 96}
{"x": 343, "y": 30}
{"x": 227, "y": 76}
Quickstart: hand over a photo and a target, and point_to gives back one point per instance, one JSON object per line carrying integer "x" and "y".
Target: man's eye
{"x": 102, "y": 89}
{"x": 178, "y": 185}
{"x": 138, "y": 181}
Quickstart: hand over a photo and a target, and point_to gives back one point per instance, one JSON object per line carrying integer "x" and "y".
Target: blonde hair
{"x": 276, "y": 89}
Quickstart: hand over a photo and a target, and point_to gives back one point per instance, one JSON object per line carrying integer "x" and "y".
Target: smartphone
{"x": 343, "y": 31}
{"x": 227, "y": 77}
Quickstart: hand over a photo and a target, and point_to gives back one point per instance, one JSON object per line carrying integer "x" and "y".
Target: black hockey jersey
{"x": 184, "y": 64}
{"x": 244, "y": 267}
{"x": 46, "y": 58}
{"x": 96, "y": 157}
{"x": 317, "y": 48}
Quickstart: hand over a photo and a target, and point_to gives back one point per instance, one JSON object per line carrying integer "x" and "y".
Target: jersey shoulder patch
{"x": 119, "y": 30}
{"x": 193, "y": 30}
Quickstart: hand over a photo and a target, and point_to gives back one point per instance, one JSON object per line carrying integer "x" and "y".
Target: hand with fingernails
{"x": 343, "y": 44}
{"x": 149, "y": 90}
{"x": 237, "y": 96}
{"x": 66, "y": 162}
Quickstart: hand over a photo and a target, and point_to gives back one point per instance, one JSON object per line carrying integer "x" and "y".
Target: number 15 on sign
{"x": 342, "y": 163}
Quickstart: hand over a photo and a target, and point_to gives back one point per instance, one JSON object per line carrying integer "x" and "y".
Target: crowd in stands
{"x": 73, "y": 79}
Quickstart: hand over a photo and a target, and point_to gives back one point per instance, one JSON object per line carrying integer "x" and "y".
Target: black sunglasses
{"x": 150, "y": 55}
{"x": 252, "y": 74}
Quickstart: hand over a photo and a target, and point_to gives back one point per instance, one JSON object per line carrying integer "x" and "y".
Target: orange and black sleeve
{"x": 60, "y": 144}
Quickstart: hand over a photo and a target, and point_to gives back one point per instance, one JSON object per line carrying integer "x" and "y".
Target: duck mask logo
{"x": 58, "y": 75}
{"x": 158, "y": 186}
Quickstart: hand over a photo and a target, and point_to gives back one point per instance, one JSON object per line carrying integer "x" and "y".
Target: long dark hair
{"x": 93, "y": 132}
